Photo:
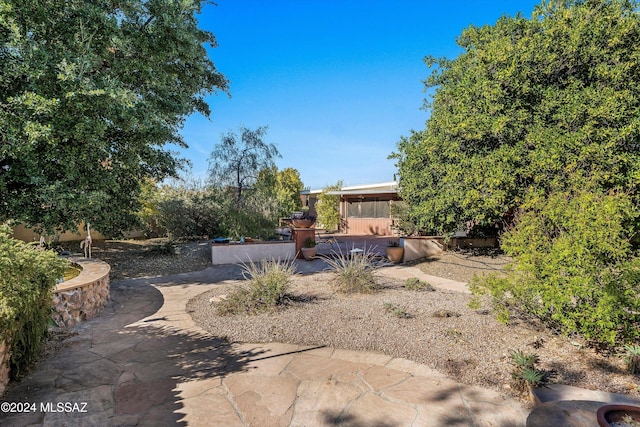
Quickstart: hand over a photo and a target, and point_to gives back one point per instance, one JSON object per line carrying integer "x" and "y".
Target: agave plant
{"x": 633, "y": 358}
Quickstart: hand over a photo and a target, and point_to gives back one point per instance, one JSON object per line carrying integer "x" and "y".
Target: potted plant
{"x": 302, "y": 220}
{"x": 394, "y": 251}
{"x": 309, "y": 250}
{"x": 618, "y": 415}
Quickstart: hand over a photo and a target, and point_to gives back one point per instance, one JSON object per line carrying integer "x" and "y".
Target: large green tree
{"x": 536, "y": 124}
{"x": 328, "y": 207}
{"x": 529, "y": 108}
{"x": 91, "y": 92}
{"x": 281, "y": 189}
{"x": 238, "y": 158}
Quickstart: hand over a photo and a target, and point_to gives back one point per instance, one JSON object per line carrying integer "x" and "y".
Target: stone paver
{"x": 144, "y": 362}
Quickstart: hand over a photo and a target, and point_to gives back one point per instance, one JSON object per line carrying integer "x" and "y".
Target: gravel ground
{"x": 439, "y": 328}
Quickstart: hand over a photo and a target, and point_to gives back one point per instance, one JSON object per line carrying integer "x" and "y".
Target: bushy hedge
{"x": 27, "y": 279}
{"x": 192, "y": 209}
{"x": 576, "y": 267}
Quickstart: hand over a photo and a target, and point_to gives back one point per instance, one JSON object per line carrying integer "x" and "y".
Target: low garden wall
{"x": 473, "y": 242}
{"x": 82, "y": 297}
{"x": 421, "y": 247}
{"x": 233, "y": 253}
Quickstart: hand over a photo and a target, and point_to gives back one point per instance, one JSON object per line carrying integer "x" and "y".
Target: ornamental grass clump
{"x": 354, "y": 273}
{"x": 266, "y": 288}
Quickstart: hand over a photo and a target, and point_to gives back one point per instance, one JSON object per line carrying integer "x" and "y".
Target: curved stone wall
{"x": 82, "y": 297}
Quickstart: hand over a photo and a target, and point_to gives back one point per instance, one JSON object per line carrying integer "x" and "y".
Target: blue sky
{"x": 337, "y": 82}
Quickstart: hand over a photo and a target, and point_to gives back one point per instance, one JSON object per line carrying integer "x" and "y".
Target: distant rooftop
{"x": 381, "y": 187}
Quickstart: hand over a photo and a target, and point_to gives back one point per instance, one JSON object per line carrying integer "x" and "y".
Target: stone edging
{"x": 82, "y": 297}
{"x": 75, "y": 300}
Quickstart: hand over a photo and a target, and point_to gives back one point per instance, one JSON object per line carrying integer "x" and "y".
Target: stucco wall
{"x": 230, "y": 253}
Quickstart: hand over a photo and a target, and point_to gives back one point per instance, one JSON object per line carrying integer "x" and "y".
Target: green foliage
{"x": 243, "y": 164}
{"x": 531, "y": 107}
{"x": 575, "y": 267}
{"x": 535, "y": 125}
{"x": 530, "y": 376}
{"x": 27, "y": 278}
{"x": 328, "y": 207}
{"x": 396, "y": 310}
{"x": 266, "y": 290}
{"x": 148, "y": 214}
{"x": 188, "y": 210}
{"x": 523, "y": 360}
{"x": 415, "y": 284}
{"x": 236, "y": 161}
{"x": 354, "y": 274}
{"x": 309, "y": 243}
{"x": 92, "y": 93}
{"x": 525, "y": 374}
{"x": 633, "y": 358}
{"x": 275, "y": 193}
{"x": 288, "y": 187}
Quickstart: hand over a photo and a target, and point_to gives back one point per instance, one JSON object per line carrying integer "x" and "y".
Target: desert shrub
{"x": 525, "y": 374}
{"x": 249, "y": 220}
{"x": 396, "y": 310}
{"x": 268, "y": 283}
{"x": 354, "y": 274}
{"x": 328, "y": 207}
{"x": 27, "y": 278}
{"x": 633, "y": 358}
{"x": 576, "y": 268}
{"x": 415, "y": 284}
{"x": 189, "y": 210}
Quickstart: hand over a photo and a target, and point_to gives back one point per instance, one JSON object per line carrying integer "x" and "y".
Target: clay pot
{"x": 394, "y": 253}
{"x": 609, "y": 414}
{"x": 303, "y": 223}
{"x": 309, "y": 253}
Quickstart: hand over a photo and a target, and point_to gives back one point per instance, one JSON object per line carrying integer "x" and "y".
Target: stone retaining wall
{"x": 82, "y": 297}
{"x": 75, "y": 300}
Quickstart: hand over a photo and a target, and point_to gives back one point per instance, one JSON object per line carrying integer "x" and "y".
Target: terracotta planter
{"x": 309, "y": 253}
{"x": 394, "y": 254}
{"x": 607, "y": 415}
{"x": 302, "y": 223}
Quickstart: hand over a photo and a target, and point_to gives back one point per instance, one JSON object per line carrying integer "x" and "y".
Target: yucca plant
{"x": 523, "y": 360}
{"x": 354, "y": 273}
{"x": 530, "y": 376}
{"x": 266, "y": 288}
{"x": 525, "y": 375}
{"x": 633, "y": 358}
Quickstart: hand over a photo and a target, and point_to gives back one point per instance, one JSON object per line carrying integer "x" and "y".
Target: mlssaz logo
{"x": 63, "y": 407}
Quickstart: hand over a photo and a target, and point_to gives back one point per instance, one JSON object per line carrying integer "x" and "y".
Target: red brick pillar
{"x": 299, "y": 236}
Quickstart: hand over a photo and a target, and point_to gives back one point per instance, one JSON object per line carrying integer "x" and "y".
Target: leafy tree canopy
{"x": 328, "y": 207}
{"x": 536, "y": 124}
{"x": 239, "y": 157}
{"x": 90, "y": 94}
{"x": 281, "y": 186}
{"x": 531, "y": 107}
